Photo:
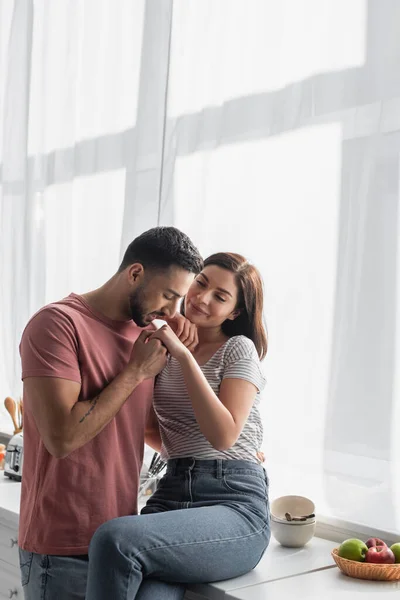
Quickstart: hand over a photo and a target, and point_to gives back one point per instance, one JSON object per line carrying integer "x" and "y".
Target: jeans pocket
{"x": 25, "y": 563}
{"x": 232, "y": 484}
{"x": 245, "y": 485}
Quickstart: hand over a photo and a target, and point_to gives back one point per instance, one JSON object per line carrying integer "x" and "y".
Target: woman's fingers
{"x": 185, "y": 330}
{"x": 177, "y": 324}
{"x": 194, "y": 341}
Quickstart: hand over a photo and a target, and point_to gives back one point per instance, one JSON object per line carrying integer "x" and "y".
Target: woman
{"x": 209, "y": 517}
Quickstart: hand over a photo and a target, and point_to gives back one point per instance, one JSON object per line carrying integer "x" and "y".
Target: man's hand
{"x": 148, "y": 357}
{"x": 171, "y": 341}
{"x": 185, "y": 330}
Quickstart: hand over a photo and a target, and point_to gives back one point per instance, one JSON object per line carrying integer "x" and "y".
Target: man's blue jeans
{"x": 208, "y": 520}
{"x": 64, "y": 578}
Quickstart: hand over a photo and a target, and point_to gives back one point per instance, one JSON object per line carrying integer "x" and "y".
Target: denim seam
{"x": 45, "y": 567}
{"x": 27, "y": 563}
{"x": 230, "y": 539}
{"x": 131, "y": 568}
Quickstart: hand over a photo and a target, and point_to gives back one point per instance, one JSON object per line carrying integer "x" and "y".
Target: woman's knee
{"x": 105, "y": 538}
{"x": 118, "y": 536}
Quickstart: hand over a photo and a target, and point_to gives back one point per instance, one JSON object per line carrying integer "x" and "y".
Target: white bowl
{"x": 297, "y": 506}
{"x": 292, "y": 537}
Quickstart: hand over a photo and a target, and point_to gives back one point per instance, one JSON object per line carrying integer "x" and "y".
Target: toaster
{"x": 14, "y": 457}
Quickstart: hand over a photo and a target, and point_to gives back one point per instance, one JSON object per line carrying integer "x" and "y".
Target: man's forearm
{"x": 87, "y": 418}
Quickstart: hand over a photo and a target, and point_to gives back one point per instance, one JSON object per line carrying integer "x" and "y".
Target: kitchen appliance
{"x": 14, "y": 457}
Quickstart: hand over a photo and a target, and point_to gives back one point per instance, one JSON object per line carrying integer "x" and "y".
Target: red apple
{"x": 372, "y": 542}
{"x": 380, "y": 555}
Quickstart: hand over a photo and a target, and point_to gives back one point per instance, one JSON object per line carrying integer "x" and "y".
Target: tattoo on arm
{"x": 93, "y": 402}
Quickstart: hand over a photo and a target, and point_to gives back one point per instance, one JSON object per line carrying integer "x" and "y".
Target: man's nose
{"x": 172, "y": 307}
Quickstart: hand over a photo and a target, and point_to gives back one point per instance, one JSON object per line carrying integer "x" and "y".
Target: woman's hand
{"x": 171, "y": 341}
{"x": 185, "y": 330}
{"x": 261, "y": 456}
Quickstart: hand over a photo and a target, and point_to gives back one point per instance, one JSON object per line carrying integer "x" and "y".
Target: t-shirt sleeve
{"x": 242, "y": 362}
{"x": 49, "y": 346}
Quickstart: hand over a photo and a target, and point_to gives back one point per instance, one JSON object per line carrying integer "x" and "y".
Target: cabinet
{"x": 10, "y": 580}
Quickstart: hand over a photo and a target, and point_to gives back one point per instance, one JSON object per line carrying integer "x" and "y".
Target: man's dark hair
{"x": 163, "y": 247}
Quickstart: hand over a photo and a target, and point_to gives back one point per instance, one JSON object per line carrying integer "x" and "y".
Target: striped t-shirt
{"x": 180, "y": 433}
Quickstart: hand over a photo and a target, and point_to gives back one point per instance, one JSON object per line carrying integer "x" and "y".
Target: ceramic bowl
{"x": 291, "y": 536}
{"x": 297, "y": 506}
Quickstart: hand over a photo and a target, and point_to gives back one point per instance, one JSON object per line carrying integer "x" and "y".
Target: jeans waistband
{"x": 216, "y": 466}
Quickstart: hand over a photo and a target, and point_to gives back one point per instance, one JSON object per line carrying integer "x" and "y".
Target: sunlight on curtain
{"x": 83, "y": 230}
{"x": 289, "y": 161}
{"x": 258, "y": 46}
{"x": 85, "y": 71}
{"x": 6, "y": 11}
{"x": 395, "y": 416}
{"x": 69, "y": 89}
{"x": 276, "y": 201}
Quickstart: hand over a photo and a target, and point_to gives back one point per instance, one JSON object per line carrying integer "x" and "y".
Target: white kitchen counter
{"x": 329, "y": 584}
{"x": 10, "y": 578}
{"x": 277, "y": 563}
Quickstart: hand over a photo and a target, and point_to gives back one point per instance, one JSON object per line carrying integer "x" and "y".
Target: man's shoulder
{"x": 61, "y": 309}
{"x": 62, "y": 317}
{"x": 72, "y": 316}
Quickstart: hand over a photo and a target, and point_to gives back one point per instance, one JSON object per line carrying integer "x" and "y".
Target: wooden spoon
{"x": 11, "y": 408}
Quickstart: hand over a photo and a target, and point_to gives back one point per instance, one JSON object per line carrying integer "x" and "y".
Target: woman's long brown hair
{"x": 250, "y": 299}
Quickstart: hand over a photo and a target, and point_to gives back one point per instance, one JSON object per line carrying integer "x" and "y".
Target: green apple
{"x": 396, "y": 551}
{"x": 353, "y": 549}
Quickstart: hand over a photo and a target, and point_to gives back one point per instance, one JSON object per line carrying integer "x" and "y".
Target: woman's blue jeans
{"x": 208, "y": 520}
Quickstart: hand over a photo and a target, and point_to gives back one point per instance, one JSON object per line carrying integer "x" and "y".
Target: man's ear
{"x": 234, "y": 315}
{"x": 135, "y": 271}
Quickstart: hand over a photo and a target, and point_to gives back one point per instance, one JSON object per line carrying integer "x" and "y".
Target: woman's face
{"x": 212, "y": 297}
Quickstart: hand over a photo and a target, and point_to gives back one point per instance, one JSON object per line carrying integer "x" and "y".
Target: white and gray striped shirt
{"x": 180, "y": 433}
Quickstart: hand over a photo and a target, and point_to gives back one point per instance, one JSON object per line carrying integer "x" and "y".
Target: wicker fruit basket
{"x": 371, "y": 571}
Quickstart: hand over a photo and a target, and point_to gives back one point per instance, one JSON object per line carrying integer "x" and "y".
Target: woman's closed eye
{"x": 202, "y": 284}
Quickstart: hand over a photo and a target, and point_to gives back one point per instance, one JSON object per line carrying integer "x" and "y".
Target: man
{"x": 88, "y": 376}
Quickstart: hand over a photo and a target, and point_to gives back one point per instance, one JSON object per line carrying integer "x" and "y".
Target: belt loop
{"x": 219, "y": 468}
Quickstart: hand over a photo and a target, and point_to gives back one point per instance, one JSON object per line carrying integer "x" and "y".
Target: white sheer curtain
{"x": 71, "y": 150}
{"x": 278, "y": 138}
{"x": 282, "y": 143}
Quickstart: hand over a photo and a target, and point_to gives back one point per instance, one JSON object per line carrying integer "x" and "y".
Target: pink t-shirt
{"x": 63, "y": 501}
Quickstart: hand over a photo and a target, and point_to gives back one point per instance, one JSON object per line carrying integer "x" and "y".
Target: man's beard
{"x": 136, "y": 305}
